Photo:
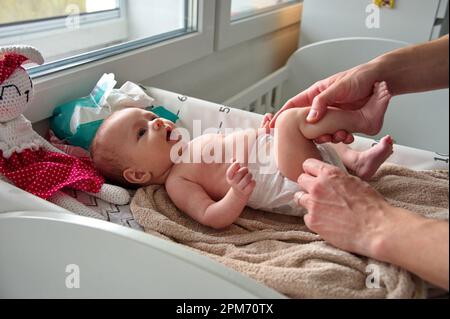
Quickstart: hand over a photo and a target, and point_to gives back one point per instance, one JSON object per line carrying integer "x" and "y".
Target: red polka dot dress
{"x": 24, "y": 159}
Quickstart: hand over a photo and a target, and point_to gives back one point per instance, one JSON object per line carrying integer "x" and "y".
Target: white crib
{"x": 415, "y": 120}
{"x": 42, "y": 247}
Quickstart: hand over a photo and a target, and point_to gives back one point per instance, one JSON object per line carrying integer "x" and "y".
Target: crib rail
{"x": 263, "y": 97}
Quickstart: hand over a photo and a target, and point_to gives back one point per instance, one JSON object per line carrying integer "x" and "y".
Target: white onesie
{"x": 274, "y": 192}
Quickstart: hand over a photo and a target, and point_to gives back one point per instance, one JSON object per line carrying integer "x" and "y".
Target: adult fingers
{"x": 303, "y": 199}
{"x": 301, "y": 100}
{"x": 325, "y": 98}
{"x": 324, "y": 139}
{"x": 308, "y": 219}
{"x": 350, "y": 139}
{"x": 316, "y": 168}
{"x": 339, "y": 136}
{"x": 306, "y": 182}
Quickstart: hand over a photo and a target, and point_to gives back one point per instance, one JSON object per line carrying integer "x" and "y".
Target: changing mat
{"x": 282, "y": 253}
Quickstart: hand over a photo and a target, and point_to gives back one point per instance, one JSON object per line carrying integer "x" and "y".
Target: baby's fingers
{"x": 249, "y": 188}
{"x": 242, "y": 172}
{"x": 232, "y": 170}
{"x": 266, "y": 120}
{"x": 247, "y": 179}
{"x": 268, "y": 117}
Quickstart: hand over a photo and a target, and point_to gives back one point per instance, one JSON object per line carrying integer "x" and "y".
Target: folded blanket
{"x": 282, "y": 253}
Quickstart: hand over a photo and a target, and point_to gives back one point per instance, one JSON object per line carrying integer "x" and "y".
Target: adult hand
{"x": 348, "y": 90}
{"x": 348, "y": 219}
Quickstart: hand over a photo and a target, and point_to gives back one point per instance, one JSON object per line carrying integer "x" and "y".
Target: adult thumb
{"x": 321, "y": 102}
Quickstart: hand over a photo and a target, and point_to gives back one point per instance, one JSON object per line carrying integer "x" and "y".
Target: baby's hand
{"x": 266, "y": 122}
{"x": 241, "y": 180}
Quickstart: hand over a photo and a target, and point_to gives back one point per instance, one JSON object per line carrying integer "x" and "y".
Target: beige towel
{"x": 282, "y": 253}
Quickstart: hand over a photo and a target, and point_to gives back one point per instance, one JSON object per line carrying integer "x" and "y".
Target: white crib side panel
{"x": 52, "y": 255}
{"x": 264, "y": 96}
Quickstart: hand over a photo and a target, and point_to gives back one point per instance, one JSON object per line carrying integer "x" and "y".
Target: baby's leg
{"x": 365, "y": 164}
{"x": 292, "y": 148}
{"x": 293, "y": 133}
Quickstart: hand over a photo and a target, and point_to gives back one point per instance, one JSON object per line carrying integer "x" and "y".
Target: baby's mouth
{"x": 168, "y": 133}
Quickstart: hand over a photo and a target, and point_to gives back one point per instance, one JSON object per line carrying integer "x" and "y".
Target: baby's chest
{"x": 211, "y": 177}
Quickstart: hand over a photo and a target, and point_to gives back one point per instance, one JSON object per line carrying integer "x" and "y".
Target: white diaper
{"x": 274, "y": 192}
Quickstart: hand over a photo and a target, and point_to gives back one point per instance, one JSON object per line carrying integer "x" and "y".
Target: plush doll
{"x": 30, "y": 162}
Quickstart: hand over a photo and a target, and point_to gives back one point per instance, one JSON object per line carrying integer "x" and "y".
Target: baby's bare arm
{"x": 199, "y": 205}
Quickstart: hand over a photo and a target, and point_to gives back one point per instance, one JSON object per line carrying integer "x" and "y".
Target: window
{"x": 242, "y": 20}
{"x": 73, "y": 31}
{"x": 135, "y": 40}
{"x": 245, "y": 8}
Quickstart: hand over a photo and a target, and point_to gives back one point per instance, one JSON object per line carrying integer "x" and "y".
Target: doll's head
{"x": 16, "y": 87}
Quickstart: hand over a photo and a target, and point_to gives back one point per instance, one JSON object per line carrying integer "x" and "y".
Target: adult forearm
{"x": 417, "y": 244}
{"x": 416, "y": 68}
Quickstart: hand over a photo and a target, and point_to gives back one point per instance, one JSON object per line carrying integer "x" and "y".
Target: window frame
{"x": 230, "y": 33}
{"x": 57, "y": 87}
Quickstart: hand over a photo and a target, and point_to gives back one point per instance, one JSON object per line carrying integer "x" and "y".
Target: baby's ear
{"x": 134, "y": 176}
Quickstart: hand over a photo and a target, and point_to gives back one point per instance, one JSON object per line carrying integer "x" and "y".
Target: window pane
{"x": 14, "y": 11}
{"x": 244, "y": 8}
{"x": 73, "y": 31}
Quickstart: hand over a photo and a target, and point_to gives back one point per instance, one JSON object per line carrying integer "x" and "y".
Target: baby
{"x": 134, "y": 147}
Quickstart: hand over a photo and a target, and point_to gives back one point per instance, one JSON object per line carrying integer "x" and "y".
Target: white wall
{"x": 411, "y": 21}
{"x": 222, "y": 74}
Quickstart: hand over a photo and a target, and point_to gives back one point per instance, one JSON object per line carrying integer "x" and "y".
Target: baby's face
{"x": 145, "y": 138}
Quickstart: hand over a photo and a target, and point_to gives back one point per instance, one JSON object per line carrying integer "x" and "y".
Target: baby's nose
{"x": 157, "y": 124}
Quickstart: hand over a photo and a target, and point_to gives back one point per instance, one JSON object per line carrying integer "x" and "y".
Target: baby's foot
{"x": 369, "y": 161}
{"x": 374, "y": 110}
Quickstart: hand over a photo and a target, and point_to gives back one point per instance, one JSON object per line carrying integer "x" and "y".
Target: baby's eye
{"x": 142, "y": 132}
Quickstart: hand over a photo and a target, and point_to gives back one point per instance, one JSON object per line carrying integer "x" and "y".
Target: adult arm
{"x": 364, "y": 223}
{"x": 413, "y": 69}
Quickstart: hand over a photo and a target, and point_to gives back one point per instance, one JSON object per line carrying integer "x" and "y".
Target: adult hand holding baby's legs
{"x": 345, "y": 211}
{"x": 348, "y": 90}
